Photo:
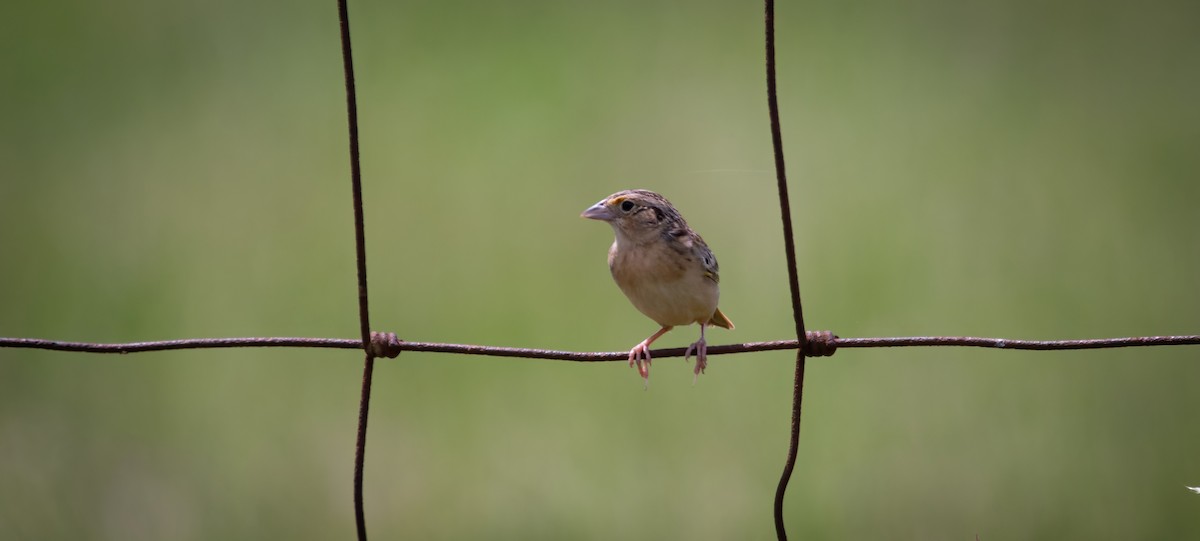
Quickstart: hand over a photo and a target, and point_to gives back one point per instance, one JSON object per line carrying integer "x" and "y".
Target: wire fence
{"x": 375, "y": 344}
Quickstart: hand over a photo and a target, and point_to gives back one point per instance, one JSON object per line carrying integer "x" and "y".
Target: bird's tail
{"x": 719, "y": 319}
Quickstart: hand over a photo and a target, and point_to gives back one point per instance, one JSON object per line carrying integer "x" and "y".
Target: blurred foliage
{"x": 1018, "y": 169}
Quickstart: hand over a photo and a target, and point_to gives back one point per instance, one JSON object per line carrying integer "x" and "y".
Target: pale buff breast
{"x": 669, "y": 288}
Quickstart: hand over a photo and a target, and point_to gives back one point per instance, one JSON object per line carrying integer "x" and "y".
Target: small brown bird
{"x": 664, "y": 267}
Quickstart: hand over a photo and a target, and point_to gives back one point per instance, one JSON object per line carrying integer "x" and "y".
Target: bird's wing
{"x": 712, "y": 270}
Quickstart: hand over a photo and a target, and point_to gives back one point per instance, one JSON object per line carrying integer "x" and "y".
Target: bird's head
{"x": 635, "y": 215}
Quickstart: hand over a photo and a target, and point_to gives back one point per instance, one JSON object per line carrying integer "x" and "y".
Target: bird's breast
{"x": 665, "y": 284}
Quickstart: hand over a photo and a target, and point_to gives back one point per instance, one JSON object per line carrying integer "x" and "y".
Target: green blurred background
{"x": 1016, "y": 169}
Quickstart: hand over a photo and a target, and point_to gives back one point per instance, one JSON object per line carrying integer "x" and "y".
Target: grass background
{"x": 1016, "y": 169}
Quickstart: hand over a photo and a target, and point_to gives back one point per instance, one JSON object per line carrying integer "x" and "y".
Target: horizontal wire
{"x": 829, "y": 341}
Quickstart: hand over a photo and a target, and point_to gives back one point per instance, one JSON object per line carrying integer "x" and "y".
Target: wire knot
{"x": 820, "y": 344}
{"x": 385, "y": 344}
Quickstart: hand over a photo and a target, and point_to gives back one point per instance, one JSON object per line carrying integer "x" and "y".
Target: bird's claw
{"x": 640, "y": 356}
{"x": 700, "y": 347}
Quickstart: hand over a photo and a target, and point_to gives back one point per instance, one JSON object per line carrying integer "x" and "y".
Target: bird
{"x": 664, "y": 268}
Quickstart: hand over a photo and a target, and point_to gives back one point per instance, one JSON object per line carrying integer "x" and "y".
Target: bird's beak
{"x": 598, "y": 212}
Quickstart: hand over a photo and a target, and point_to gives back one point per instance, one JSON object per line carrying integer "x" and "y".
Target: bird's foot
{"x": 640, "y": 356}
{"x": 700, "y": 347}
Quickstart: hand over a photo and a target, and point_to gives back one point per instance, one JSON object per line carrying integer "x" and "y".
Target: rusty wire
{"x": 360, "y": 247}
{"x": 789, "y": 246}
{"x": 383, "y": 346}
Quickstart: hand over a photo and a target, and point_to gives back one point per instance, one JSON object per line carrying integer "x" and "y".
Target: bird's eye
{"x": 627, "y": 206}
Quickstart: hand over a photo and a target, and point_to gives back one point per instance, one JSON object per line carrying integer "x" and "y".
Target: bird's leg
{"x": 640, "y": 354}
{"x": 701, "y": 349}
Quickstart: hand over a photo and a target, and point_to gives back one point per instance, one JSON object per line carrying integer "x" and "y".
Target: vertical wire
{"x": 360, "y": 245}
{"x": 793, "y": 280}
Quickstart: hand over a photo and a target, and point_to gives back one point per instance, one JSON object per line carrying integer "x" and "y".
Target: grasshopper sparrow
{"x": 664, "y": 267}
